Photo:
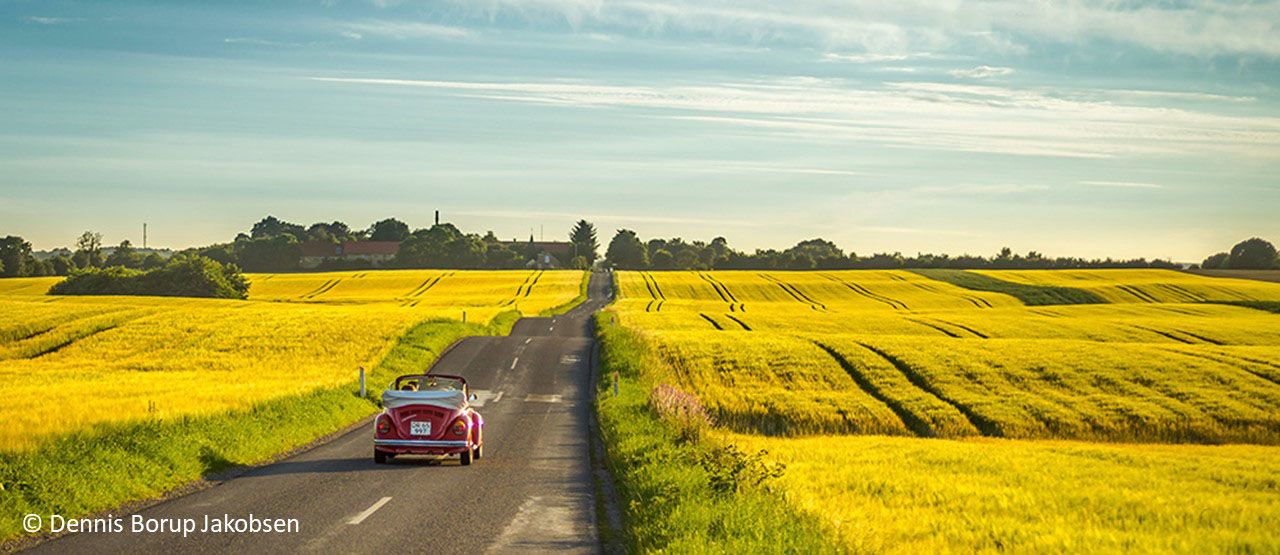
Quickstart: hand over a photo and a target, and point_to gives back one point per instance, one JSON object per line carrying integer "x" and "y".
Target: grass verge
{"x": 88, "y": 472}
{"x": 672, "y": 488}
{"x": 1030, "y": 295}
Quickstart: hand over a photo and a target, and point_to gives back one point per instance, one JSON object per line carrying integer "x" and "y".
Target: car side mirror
{"x": 472, "y": 397}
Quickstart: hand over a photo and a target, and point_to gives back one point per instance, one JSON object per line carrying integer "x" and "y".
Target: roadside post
{"x": 362, "y": 381}
{"x": 464, "y": 316}
{"x": 615, "y": 384}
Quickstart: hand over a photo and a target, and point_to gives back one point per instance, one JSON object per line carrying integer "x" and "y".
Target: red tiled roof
{"x": 371, "y": 247}
{"x": 320, "y": 249}
{"x": 553, "y": 247}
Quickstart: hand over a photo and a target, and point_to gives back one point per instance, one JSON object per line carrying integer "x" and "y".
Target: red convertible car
{"x": 428, "y": 414}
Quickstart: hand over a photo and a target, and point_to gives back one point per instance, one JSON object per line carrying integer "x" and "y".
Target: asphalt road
{"x": 532, "y": 491}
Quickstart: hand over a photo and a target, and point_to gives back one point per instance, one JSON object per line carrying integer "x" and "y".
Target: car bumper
{"x": 422, "y": 446}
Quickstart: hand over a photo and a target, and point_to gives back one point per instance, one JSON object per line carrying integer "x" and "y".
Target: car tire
{"x": 465, "y": 458}
{"x": 478, "y": 452}
{"x": 379, "y": 457}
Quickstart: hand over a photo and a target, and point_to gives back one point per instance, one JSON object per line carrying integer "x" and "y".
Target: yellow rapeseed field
{"x": 1146, "y": 286}
{"x": 70, "y": 363}
{"x": 822, "y": 369}
{"x": 903, "y": 495}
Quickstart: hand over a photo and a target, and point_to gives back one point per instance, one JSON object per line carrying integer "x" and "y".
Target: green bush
{"x": 182, "y": 276}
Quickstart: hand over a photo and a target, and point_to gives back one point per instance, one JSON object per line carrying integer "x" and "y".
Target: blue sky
{"x": 1073, "y": 128}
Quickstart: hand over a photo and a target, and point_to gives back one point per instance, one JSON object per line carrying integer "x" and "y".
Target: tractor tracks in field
{"x": 1234, "y": 361}
{"x": 721, "y": 327}
{"x": 522, "y": 292}
{"x": 918, "y": 424}
{"x": 415, "y": 296}
{"x": 938, "y": 323}
{"x": 977, "y": 302}
{"x": 655, "y": 292}
{"x": 795, "y": 293}
{"x": 725, "y": 294}
{"x": 867, "y": 293}
{"x": 322, "y": 289}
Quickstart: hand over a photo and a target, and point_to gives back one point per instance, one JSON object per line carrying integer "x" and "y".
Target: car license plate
{"x": 420, "y": 428}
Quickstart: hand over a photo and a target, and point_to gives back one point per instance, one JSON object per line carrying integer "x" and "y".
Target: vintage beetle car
{"x": 428, "y": 414}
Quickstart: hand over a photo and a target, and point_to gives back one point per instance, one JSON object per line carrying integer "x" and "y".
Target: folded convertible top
{"x": 453, "y": 399}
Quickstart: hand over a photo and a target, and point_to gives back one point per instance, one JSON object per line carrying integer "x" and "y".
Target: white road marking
{"x": 360, "y": 517}
{"x": 498, "y": 397}
{"x": 542, "y": 398}
{"x": 485, "y": 396}
{"x": 526, "y": 341}
{"x": 513, "y": 362}
{"x": 569, "y": 359}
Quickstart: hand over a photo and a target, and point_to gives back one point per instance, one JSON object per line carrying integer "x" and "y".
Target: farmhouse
{"x": 544, "y": 255}
{"x": 377, "y": 253}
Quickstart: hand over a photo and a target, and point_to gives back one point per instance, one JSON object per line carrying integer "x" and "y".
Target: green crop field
{"x": 998, "y": 410}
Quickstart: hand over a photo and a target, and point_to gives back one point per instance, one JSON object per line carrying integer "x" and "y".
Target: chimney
{"x": 437, "y": 217}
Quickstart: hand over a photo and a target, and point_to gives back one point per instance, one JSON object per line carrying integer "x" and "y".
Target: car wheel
{"x": 465, "y": 458}
{"x": 379, "y": 457}
{"x": 478, "y": 452}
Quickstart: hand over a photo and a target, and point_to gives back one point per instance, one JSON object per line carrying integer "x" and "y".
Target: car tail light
{"x": 384, "y": 425}
{"x": 459, "y": 427}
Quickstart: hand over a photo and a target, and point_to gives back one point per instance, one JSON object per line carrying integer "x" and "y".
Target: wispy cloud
{"x": 1123, "y": 184}
{"x": 1198, "y": 28}
{"x": 403, "y": 30}
{"x": 865, "y": 58}
{"x": 981, "y": 72}
{"x": 945, "y": 116}
{"x": 43, "y": 20}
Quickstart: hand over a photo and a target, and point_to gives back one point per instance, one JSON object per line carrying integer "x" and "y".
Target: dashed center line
{"x": 513, "y": 362}
{"x": 526, "y": 341}
{"x": 542, "y": 398}
{"x": 498, "y": 397}
{"x": 360, "y": 517}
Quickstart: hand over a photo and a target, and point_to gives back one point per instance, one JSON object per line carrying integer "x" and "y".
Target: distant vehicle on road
{"x": 428, "y": 414}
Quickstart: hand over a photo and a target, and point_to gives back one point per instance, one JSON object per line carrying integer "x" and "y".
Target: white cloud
{"x": 1123, "y": 184}
{"x": 945, "y": 116}
{"x": 1184, "y": 95}
{"x": 866, "y": 58}
{"x": 981, "y": 72}
{"x": 42, "y": 20}
{"x": 403, "y": 30}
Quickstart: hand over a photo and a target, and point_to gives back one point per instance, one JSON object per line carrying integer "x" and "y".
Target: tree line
{"x": 1250, "y": 254}
{"x": 273, "y": 245}
{"x": 628, "y": 251}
